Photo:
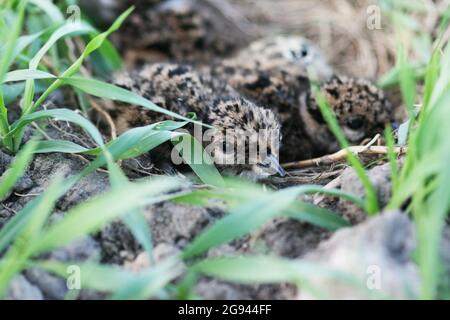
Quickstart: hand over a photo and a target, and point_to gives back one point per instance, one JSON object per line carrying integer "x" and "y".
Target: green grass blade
{"x": 269, "y": 270}
{"x": 441, "y": 86}
{"x": 121, "y": 283}
{"x": 81, "y": 221}
{"x": 103, "y": 278}
{"x": 61, "y": 146}
{"x": 65, "y": 30}
{"x": 200, "y": 162}
{"x": 315, "y": 215}
{"x": 130, "y": 144}
{"x": 238, "y": 194}
{"x": 27, "y": 74}
{"x": 372, "y": 206}
{"x": 107, "y": 60}
{"x": 50, "y": 9}
{"x": 16, "y": 257}
{"x": 5, "y": 63}
{"x": 240, "y": 221}
{"x": 17, "y": 169}
{"x": 93, "y": 45}
{"x": 8, "y": 52}
{"x": 392, "y": 78}
{"x": 135, "y": 219}
{"x": 139, "y": 142}
{"x": 248, "y": 217}
{"x": 407, "y": 83}
{"x": 109, "y": 91}
{"x": 150, "y": 282}
{"x": 392, "y": 158}
{"x": 254, "y": 269}
{"x": 15, "y": 225}
{"x": 59, "y": 114}
{"x": 11, "y": 92}
{"x": 431, "y": 77}
{"x": 23, "y": 42}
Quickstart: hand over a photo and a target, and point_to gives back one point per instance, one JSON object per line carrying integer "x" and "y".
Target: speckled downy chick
{"x": 361, "y": 109}
{"x": 277, "y": 72}
{"x": 274, "y": 72}
{"x": 179, "y": 89}
{"x": 181, "y": 30}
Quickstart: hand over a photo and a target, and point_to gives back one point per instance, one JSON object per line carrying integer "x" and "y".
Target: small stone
{"x": 139, "y": 264}
{"x": 376, "y": 254}
{"x": 164, "y": 251}
{"x": 52, "y": 286}
{"x": 380, "y": 177}
{"x": 21, "y": 289}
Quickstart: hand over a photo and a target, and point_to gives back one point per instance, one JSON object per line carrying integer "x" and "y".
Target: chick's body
{"x": 276, "y": 73}
{"x": 180, "y": 89}
{"x": 170, "y": 86}
{"x": 361, "y": 109}
{"x": 271, "y": 73}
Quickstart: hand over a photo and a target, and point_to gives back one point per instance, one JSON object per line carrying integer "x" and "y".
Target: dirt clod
{"x": 375, "y": 254}
{"x": 288, "y": 238}
{"x": 55, "y": 287}
{"x": 379, "y": 176}
{"x": 177, "y": 224}
{"x": 21, "y": 289}
{"x": 24, "y": 183}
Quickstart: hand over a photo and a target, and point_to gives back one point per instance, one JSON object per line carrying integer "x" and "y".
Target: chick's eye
{"x": 304, "y": 52}
{"x": 355, "y": 123}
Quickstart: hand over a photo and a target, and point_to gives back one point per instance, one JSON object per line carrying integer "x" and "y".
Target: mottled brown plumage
{"x": 272, "y": 73}
{"x": 171, "y": 86}
{"x": 276, "y": 73}
{"x": 180, "y": 89}
{"x": 361, "y": 109}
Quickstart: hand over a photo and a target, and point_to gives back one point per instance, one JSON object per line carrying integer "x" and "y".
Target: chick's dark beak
{"x": 275, "y": 164}
{"x": 395, "y": 125}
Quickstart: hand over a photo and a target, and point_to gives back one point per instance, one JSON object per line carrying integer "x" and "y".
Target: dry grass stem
{"x": 341, "y": 155}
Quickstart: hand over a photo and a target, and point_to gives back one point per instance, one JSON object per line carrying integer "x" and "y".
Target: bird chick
{"x": 292, "y": 54}
{"x": 245, "y": 139}
{"x": 361, "y": 109}
{"x": 278, "y": 73}
{"x": 275, "y": 72}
